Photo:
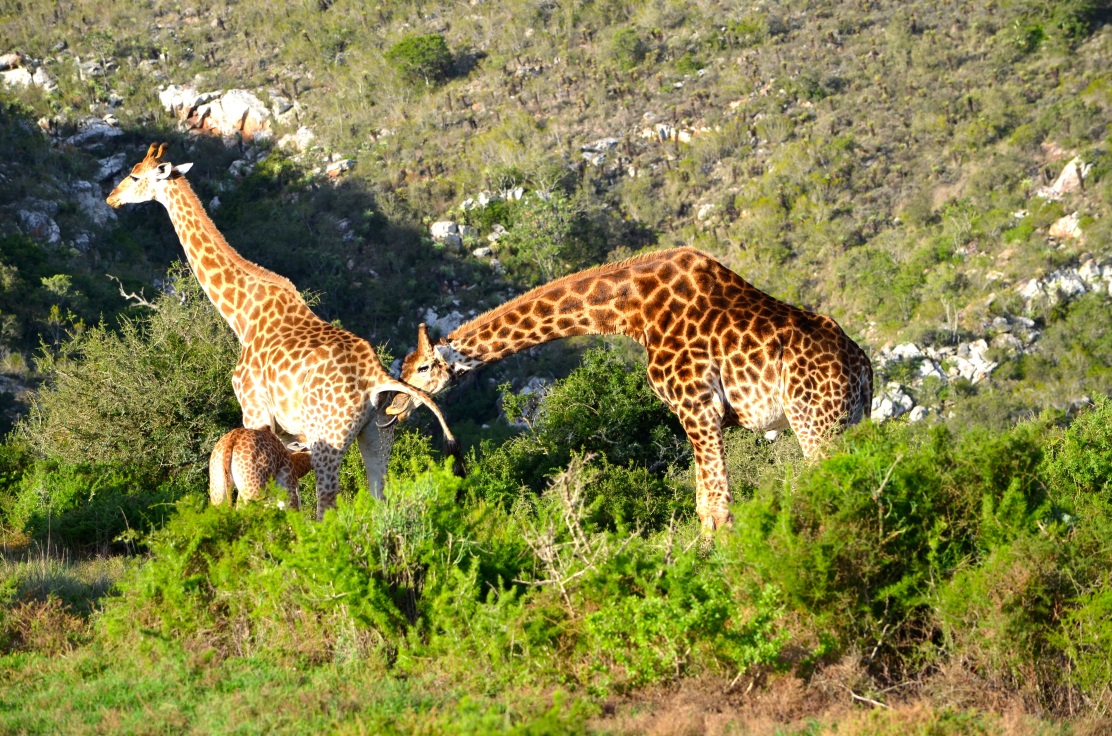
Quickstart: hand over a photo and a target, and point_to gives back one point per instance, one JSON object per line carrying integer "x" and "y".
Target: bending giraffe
{"x": 245, "y": 460}
{"x": 720, "y": 353}
{"x": 296, "y": 372}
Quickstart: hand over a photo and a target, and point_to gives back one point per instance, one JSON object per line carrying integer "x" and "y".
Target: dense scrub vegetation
{"x": 885, "y": 163}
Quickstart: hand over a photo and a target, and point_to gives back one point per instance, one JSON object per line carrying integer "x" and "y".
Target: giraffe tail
{"x": 451, "y": 444}
{"x": 222, "y": 485}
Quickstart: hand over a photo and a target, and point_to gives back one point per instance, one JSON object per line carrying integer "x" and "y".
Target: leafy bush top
{"x": 422, "y": 58}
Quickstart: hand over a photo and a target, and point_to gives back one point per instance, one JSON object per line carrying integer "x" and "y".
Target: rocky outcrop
{"x": 1067, "y": 284}
{"x": 1066, "y": 228}
{"x": 444, "y": 324}
{"x": 15, "y": 71}
{"x": 1071, "y": 179}
{"x": 235, "y": 113}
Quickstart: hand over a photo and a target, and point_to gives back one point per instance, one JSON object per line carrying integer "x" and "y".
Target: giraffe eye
{"x": 423, "y": 369}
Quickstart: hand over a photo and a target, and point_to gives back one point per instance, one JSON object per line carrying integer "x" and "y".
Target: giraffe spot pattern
{"x": 720, "y": 353}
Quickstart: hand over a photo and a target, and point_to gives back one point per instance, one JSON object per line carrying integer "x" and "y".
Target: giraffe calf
{"x": 246, "y": 459}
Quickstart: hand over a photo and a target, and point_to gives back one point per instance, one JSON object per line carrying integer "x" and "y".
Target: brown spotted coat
{"x": 721, "y": 353}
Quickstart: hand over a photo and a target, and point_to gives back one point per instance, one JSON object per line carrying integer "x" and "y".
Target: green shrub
{"x": 156, "y": 395}
{"x": 861, "y": 540}
{"x": 91, "y": 507}
{"x": 605, "y": 408}
{"x": 424, "y": 58}
{"x": 550, "y": 236}
{"x": 627, "y": 48}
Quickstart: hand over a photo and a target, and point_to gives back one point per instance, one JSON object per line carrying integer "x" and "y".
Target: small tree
{"x": 154, "y": 394}
{"x": 422, "y": 58}
{"x": 627, "y": 48}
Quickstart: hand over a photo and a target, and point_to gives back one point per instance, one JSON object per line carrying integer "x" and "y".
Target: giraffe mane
{"x": 591, "y": 273}
{"x": 252, "y": 268}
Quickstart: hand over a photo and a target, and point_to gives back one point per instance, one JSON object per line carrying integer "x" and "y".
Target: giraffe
{"x": 721, "y": 353}
{"x": 296, "y": 373}
{"x": 244, "y": 460}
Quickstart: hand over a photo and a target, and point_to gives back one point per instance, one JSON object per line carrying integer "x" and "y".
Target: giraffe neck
{"x": 607, "y": 300}
{"x": 231, "y": 281}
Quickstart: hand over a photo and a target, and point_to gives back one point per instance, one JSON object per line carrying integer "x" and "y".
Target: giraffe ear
{"x": 180, "y": 169}
{"x": 423, "y": 345}
{"x": 163, "y": 170}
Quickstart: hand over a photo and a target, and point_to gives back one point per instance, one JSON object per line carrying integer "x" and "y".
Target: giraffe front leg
{"x": 712, "y": 491}
{"x": 375, "y": 442}
{"x": 326, "y": 465}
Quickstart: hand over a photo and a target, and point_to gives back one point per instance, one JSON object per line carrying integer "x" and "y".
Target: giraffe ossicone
{"x": 721, "y": 353}
{"x": 297, "y": 374}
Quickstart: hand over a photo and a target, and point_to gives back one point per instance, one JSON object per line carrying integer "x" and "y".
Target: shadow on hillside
{"x": 346, "y": 241}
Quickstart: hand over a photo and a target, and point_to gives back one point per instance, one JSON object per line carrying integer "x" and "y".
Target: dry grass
{"x": 837, "y": 700}
{"x": 46, "y": 597}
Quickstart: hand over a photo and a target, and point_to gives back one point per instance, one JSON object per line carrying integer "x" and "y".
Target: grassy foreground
{"x": 921, "y": 580}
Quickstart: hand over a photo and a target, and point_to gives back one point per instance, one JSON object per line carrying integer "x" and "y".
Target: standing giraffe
{"x": 720, "y": 353}
{"x": 296, "y": 372}
{"x": 245, "y": 460}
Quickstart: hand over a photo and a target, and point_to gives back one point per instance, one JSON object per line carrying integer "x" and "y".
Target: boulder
{"x": 1071, "y": 179}
{"x": 1066, "y": 228}
{"x": 300, "y": 141}
{"x": 93, "y": 130}
{"x": 892, "y": 402}
{"x": 40, "y": 226}
{"x": 334, "y": 169}
{"x": 88, "y": 196}
{"x": 111, "y": 166}
{"x": 444, "y": 324}
{"x": 446, "y": 232}
{"x": 231, "y": 114}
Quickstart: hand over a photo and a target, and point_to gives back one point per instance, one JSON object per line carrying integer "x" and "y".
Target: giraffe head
{"x": 147, "y": 178}
{"x": 425, "y": 368}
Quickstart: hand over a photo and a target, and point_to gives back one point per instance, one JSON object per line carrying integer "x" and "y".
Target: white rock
{"x": 483, "y": 252}
{"x": 443, "y": 227}
{"x": 891, "y": 403}
{"x": 90, "y": 199}
{"x": 486, "y": 198}
{"x": 930, "y": 369}
{"x": 334, "y": 169}
{"x": 705, "y": 211}
{"x": 1066, "y": 228}
{"x": 182, "y": 100}
{"x": 602, "y": 145}
{"x": 93, "y": 130}
{"x": 40, "y": 226}
{"x": 444, "y": 324}
{"x": 18, "y": 77}
{"x": 466, "y": 231}
{"x": 917, "y": 414}
{"x": 300, "y": 141}
{"x": 111, "y": 166}
{"x": 907, "y": 351}
{"x": 1071, "y": 179}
